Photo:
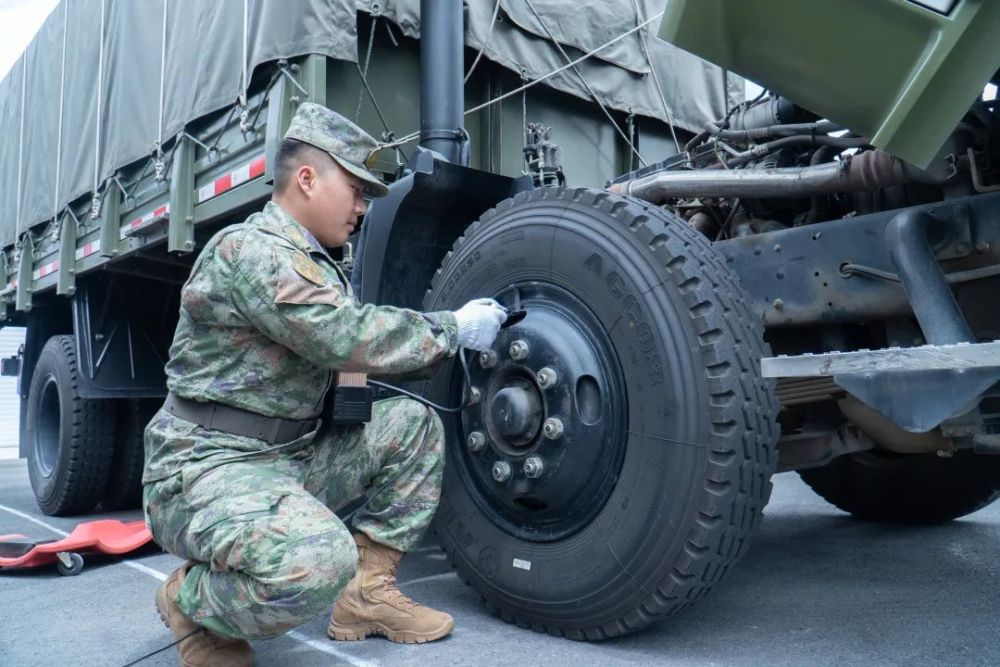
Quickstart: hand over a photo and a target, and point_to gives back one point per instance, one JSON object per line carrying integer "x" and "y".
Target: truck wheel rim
{"x": 47, "y": 431}
{"x": 541, "y": 457}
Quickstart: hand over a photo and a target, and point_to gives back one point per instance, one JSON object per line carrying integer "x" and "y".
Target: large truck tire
{"x": 70, "y": 438}
{"x": 648, "y": 488}
{"x": 124, "y": 489}
{"x": 888, "y": 487}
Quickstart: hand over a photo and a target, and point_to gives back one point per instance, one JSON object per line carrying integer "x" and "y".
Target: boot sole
{"x": 359, "y": 631}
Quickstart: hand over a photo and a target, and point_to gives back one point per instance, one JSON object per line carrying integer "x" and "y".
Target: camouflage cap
{"x": 352, "y": 148}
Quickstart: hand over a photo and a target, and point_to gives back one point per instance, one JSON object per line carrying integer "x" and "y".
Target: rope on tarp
{"x": 245, "y": 127}
{"x": 586, "y": 83}
{"x": 59, "y": 134}
{"x": 95, "y": 206}
{"x": 656, "y": 79}
{"x": 20, "y": 139}
{"x": 158, "y": 164}
{"x": 376, "y": 12}
{"x": 524, "y": 122}
{"x": 510, "y": 93}
{"x": 486, "y": 42}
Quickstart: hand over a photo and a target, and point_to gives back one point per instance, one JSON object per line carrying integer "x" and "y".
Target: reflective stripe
{"x": 46, "y": 270}
{"x": 88, "y": 249}
{"x": 143, "y": 221}
{"x": 248, "y": 172}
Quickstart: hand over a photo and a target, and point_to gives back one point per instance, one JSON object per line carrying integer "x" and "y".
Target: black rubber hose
{"x": 822, "y": 127}
{"x": 762, "y": 150}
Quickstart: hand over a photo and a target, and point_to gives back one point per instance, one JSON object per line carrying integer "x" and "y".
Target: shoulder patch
{"x": 308, "y": 269}
{"x": 294, "y": 234}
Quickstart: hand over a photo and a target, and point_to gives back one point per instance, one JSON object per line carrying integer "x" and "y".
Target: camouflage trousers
{"x": 270, "y": 551}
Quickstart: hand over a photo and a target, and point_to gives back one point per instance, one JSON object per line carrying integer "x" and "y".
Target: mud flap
{"x": 405, "y": 234}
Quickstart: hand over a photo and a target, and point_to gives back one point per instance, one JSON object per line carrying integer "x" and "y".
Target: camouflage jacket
{"x": 265, "y": 318}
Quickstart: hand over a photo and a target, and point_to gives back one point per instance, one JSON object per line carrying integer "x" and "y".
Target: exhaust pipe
{"x": 870, "y": 170}
{"x": 442, "y": 43}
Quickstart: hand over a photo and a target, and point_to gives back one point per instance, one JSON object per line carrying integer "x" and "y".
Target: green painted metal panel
{"x": 67, "y": 257}
{"x": 892, "y": 70}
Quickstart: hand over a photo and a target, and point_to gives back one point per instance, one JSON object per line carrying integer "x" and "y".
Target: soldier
{"x": 239, "y": 478}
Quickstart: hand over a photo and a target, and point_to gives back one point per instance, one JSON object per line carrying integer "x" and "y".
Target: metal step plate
{"x": 925, "y": 357}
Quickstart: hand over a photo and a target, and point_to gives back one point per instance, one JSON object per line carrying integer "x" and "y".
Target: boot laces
{"x": 391, "y": 588}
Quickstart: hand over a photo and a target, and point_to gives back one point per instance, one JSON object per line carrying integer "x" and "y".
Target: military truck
{"x": 714, "y": 291}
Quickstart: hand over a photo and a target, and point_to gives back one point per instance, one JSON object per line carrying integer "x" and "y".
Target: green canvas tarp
{"x": 104, "y": 80}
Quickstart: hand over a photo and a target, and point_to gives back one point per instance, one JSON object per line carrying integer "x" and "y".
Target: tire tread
{"x": 744, "y": 432}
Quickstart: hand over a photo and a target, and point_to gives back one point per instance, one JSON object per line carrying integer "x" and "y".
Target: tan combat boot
{"x": 372, "y": 604}
{"x": 204, "y": 648}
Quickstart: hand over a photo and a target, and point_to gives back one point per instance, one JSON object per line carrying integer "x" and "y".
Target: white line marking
{"x": 32, "y": 519}
{"x": 156, "y": 574}
{"x": 136, "y": 565}
{"x": 325, "y": 647}
{"x": 430, "y": 577}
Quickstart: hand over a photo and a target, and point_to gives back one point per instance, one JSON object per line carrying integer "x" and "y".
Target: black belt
{"x": 219, "y": 417}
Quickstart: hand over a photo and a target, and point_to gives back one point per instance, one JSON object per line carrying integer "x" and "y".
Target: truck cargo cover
{"x": 104, "y": 80}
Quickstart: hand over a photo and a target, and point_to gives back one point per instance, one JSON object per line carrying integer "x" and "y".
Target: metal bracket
{"x": 66, "y": 284}
{"x": 25, "y": 267}
{"x": 110, "y": 225}
{"x": 917, "y": 387}
{"x": 116, "y": 352}
{"x": 180, "y": 226}
{"x": 919, "y": 401}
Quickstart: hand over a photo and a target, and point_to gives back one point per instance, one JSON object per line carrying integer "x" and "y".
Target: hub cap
{"x": 47, "y": 428}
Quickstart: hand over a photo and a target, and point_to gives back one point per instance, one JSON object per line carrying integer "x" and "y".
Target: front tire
{"x": 651, "y": 491}
{"x": 70, "y": 438}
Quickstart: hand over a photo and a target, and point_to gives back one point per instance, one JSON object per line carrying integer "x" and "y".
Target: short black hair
{"x": 291, "y": 155}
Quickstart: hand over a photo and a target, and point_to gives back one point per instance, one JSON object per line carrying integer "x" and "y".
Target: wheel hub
{"x": 544, "y": 445}
{"x": 515, "y": 413}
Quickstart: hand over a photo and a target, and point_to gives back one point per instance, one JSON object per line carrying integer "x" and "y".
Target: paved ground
{"x": 816, "y": 588}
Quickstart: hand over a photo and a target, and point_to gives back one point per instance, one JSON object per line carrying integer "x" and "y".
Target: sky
{"x": 19, "y": 21}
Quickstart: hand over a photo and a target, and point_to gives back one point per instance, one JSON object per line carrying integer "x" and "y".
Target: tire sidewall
{"x": 648, "y": 515}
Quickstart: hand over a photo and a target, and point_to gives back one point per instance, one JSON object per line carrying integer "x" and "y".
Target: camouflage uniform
{"x": 265, "y": 317}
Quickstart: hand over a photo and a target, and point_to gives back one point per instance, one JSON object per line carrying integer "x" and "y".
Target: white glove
{"x": 479, "y": 323}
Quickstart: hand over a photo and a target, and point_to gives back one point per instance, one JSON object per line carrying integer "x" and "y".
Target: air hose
{"x": 513, "y": 318}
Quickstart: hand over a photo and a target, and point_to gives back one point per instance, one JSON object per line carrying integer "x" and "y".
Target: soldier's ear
{"x": 305, "y": 179}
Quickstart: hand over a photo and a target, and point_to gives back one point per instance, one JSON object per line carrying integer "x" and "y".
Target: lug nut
{"x": 518, "y": 350}
{"x": 476, "y": 441}
{"x": 488, "y": 359}
{"x": 501, "y": 471}
{"x": 533, "y": 467}
{"x": 552, "y": 428}
{"x": 546, "y": 377}
{"x": 475, "y": 395}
